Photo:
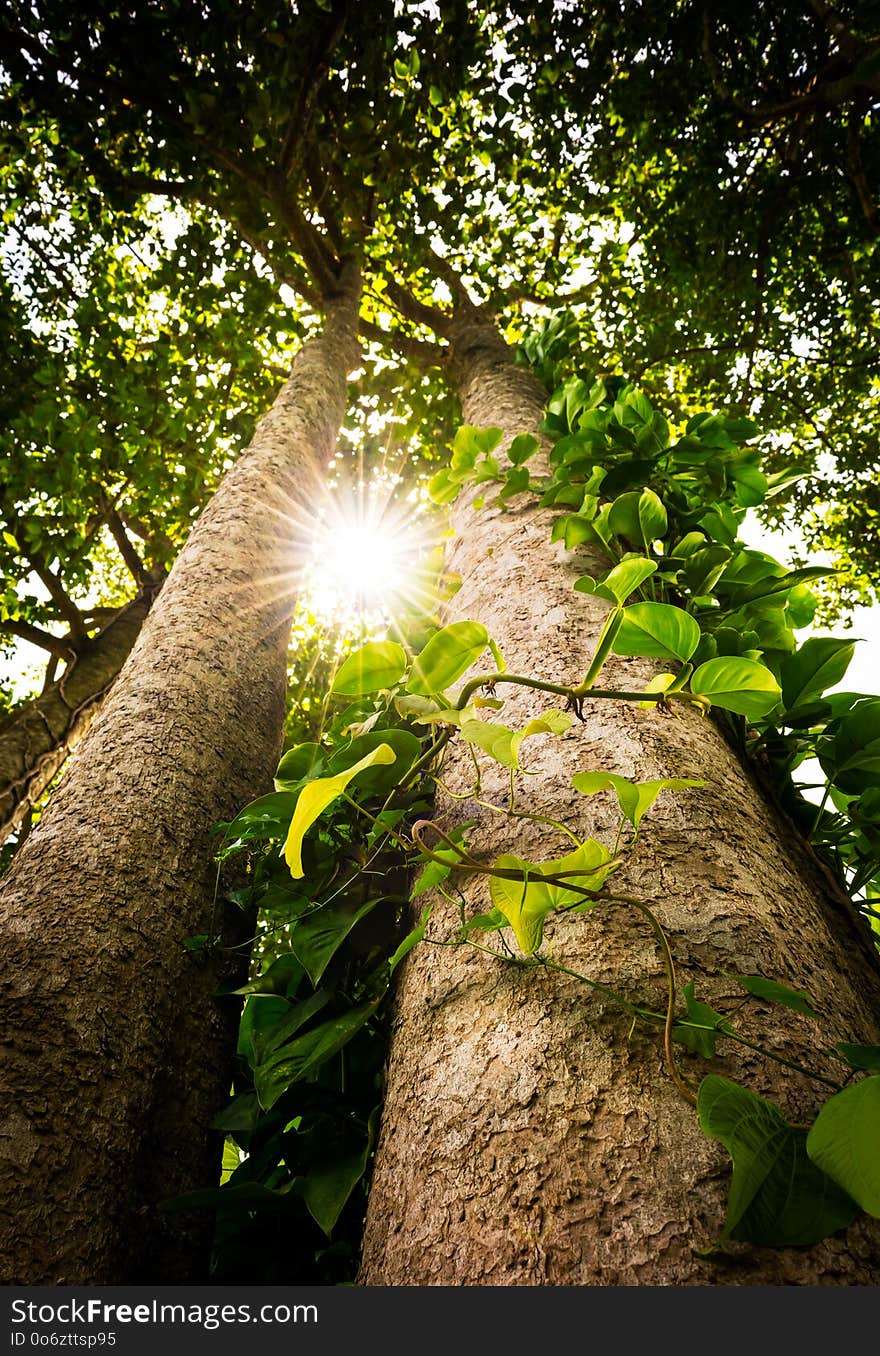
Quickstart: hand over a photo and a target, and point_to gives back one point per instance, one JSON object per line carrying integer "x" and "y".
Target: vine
{"x": 333, "y": 848}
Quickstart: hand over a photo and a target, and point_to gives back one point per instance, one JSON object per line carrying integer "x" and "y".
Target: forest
{"x": 439, "y": 845}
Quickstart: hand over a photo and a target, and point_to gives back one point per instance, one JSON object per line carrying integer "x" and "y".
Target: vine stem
{"x": 567, "y": 879}
{"x": 574, "y": 694}
{"x": 669, "y": 965}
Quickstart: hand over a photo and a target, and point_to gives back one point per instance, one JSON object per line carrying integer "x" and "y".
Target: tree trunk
{"x": 529, "y": 1138}
{"x": 117, "y": 1054}
{"x": 37, "y": 737}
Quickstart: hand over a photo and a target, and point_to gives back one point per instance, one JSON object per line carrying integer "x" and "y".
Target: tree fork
{"x": 529, "y": 1135}
{"x": 115, "y": 1046}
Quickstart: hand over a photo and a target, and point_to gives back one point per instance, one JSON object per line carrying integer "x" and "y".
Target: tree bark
{"x": 117, "y": 1054}
{"x": 529, "y": 1137}
{"x": 37, "y": 737}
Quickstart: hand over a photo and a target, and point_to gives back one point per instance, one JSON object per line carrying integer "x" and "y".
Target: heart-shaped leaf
{"x": 737, "y": 684}
{"x": 658, "y": 630}
{"x": 376, "y": 665}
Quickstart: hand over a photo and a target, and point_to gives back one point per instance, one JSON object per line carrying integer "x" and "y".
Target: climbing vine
{"x": 345, "y": 847}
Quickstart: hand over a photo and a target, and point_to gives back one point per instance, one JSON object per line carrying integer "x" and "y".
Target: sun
{"x": 366, "y": 560}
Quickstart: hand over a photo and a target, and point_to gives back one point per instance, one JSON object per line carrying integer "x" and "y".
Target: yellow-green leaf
{"x": 314, "y": 799}
{"x": 447, "y": 656}
{"x": 525, "y": 903}
{"x": 376, "y": 665}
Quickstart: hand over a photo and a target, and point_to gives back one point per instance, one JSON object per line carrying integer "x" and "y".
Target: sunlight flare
{"x": 366, "y": 561}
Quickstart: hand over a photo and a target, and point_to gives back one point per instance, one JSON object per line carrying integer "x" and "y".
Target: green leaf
{"x": 751, "y": 485}
{"x": 447, "y": 655}
{"x": 297, "y": 765}
{"x": 470, "y": 443}
{"x": 778, "y": 1197}
{"x": 652, "y": 516}
{"x": 379, "y": 779}
{"x": 658, "y": 630}
{"x": 845, "y": 1142}
{"x": 525, "y": 903}
{"x": 623, "y": 516}
{"x": 635, "y": 798}
{"x": 316, "y": 937}
{"x": 620, "y": 582}
{"x": 444, "y": 487}
{"x": 703, "y": 1036}
{"x": 522, "y": 447}
{"x": 269, "y": 1030}
{"x": 603, "y": 645}
{"x": 795, "y": 999}
{"x": 263, "y": 817}
{"x": 281, "y": 977}
{"x": 736, "y": 684}
{"x": 376, "y": 665}
{"x": 503, "y": 744}
{"x": 820, "y": 663}
{"x": 314, "y": 799}
{"x": 411, "y": 939}
{"x": 301, "y": 1056}
{"x": 860, "y": 1056}
{"x": 851, "y": 757}
{"x": 329, "y": 1183}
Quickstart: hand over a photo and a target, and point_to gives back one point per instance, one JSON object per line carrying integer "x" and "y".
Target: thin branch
{"x": 856, "y": 168}
{"x": 57, "y": 646}
{"x": 316, "y": 255}
{"x": 417, "y": 311}
{"x": 131, "y": 559}
{"x": 303, "y": 108}
{"x": 66, "y": 607}
{"x": 291, "y": 276}
{"x": 156, "y": 540}
{"x": 833, "y": 24}
{"x": 321, "y": 191}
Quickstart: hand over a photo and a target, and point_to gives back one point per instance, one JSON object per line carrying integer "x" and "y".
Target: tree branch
{"x": 419, "y": 312}
{"x": 316, "y": 255}
{"x": 57, "y": 646}
{"x": 419, "y": 350}
{"x": 303, "y": 108}
{"x": 157, "y": 541}
{"x": 132, "y": 560}
{"x": 320, "y": 186}
{"x": 64, "y": 604}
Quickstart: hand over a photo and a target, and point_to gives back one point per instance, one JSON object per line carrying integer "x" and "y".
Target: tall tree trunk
{"x": 117, "y": 1054}
{"x": 529, "y": 1138}
{"x": 37, "y": 737}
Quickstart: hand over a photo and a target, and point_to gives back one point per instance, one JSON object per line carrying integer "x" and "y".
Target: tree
{"x": 308, "y": 169}
{"x": 526, "y": 1139}
{"x": 210, "y": 666}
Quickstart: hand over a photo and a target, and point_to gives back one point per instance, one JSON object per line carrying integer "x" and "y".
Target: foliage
{"x": 664, "y": 508}
{"x": 550, "y": 156}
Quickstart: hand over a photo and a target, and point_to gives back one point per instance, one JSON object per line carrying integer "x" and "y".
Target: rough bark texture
{"x": 116, "y": 1052}
{"x": 37, "y": 737}
{"x": 528, "y": 1137}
